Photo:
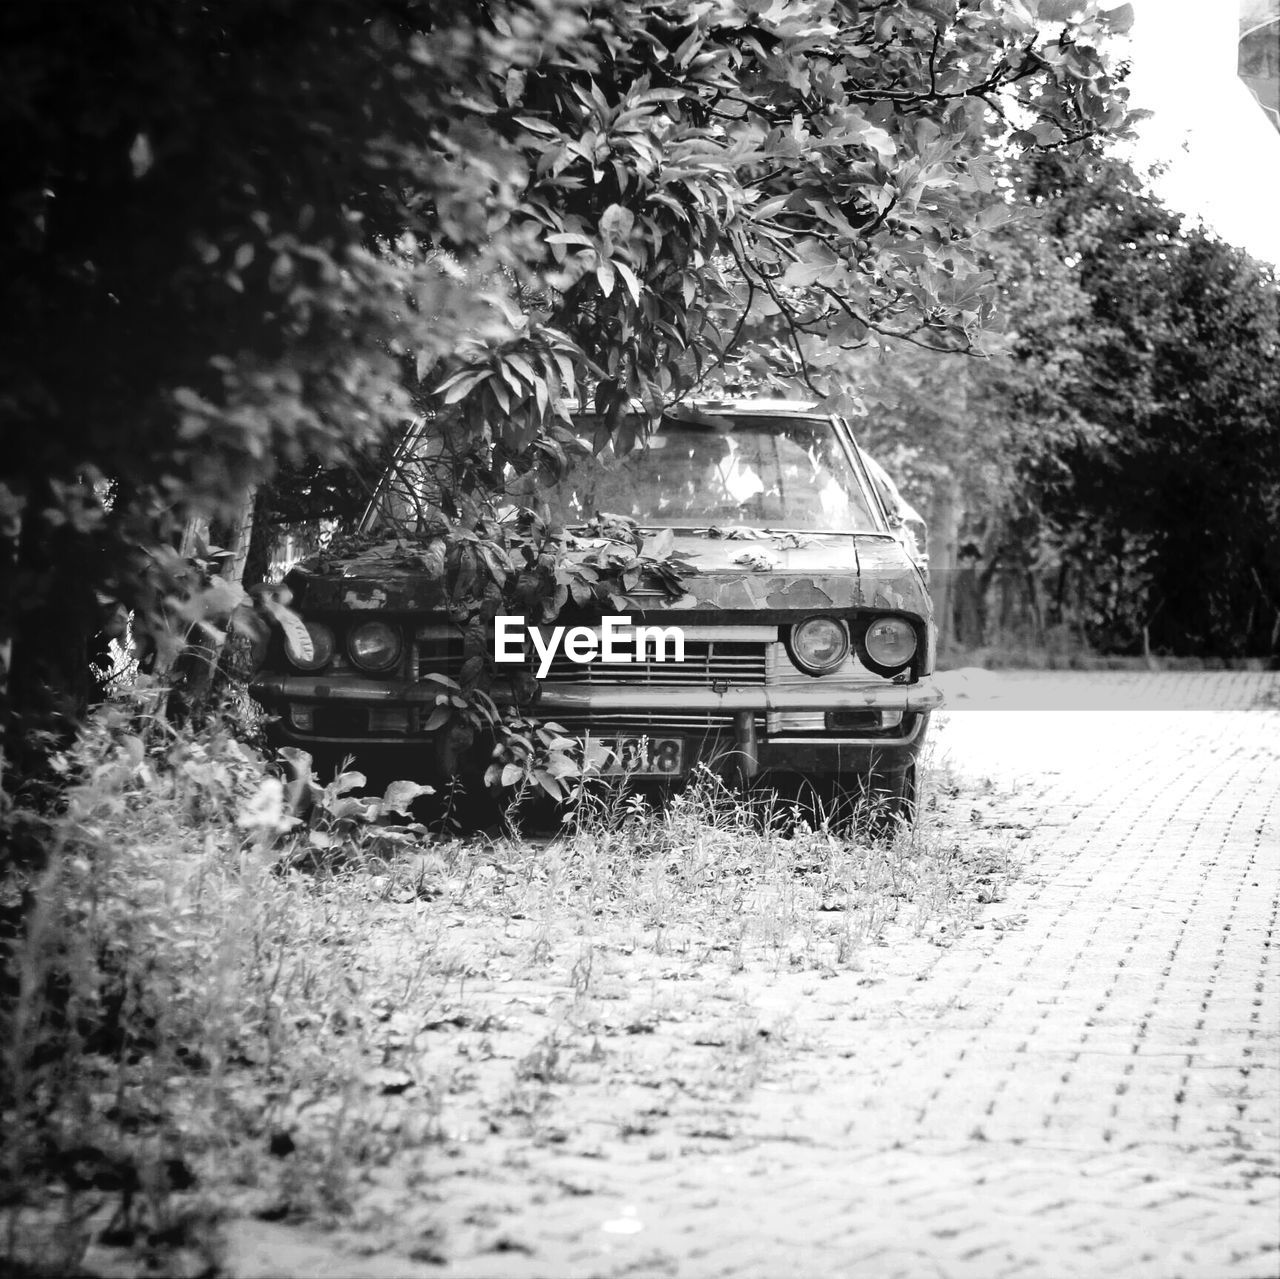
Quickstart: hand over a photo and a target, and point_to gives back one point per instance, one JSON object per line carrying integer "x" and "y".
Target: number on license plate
{"x": 637, "y": 756}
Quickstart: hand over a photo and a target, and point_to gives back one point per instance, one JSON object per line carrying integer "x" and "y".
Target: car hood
{"x": 787, "y": 571}
{"x": 744, "y": 571}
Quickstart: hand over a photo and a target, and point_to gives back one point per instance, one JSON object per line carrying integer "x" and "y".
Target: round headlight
{"x": 321, "y": 647}
{"x": 819, "y": 644}
{"x": 374, "y": 646}
{"x": 890, "y": 641}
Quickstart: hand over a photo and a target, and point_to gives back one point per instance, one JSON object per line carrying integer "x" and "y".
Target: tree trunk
{"x": 56, "y": 648}
{"x": 944, "y": 534}
{"x": 241, "y": 536}
{"x": 258, "y": 553}
{"x": 6, "y": 650}
{"x": 1033, "y": 604}
{"x": 195, "y": 669}
{"x": 967, "y": 609}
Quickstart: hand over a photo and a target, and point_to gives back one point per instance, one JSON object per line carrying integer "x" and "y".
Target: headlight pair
{"x": 372, "y": 646}
{"x": 819, "y": 645}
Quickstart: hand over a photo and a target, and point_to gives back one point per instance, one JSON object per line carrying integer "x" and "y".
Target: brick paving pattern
{"x": 1094, "y": 1091}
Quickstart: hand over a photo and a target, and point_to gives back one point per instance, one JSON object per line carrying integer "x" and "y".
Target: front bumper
{"x": 566, "y": 699}
{"x": 737, "y": 739}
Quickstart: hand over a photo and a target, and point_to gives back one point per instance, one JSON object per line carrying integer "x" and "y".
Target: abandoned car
{"x": 776, "y": 625}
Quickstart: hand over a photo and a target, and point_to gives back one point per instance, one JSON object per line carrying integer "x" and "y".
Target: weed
{"x": 581, "y": 972}
{"x": 168, "y": 974}
{"x": 546, "y": 1063}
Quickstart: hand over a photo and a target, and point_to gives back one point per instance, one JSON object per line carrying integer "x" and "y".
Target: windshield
{"x": 722, "y": 469}
{"x": 769, "y": 472}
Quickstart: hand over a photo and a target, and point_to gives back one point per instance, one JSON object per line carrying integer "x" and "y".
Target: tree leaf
{"x": 141, "y": 156}
{"x": 630, "y": 279}
{"x": 661, "y": 545}
{"x": 548, "y": 783}
{"x": 344, "y": 782}
{"x": 461, "y": 385}
{"x": 543, "y": 128}
{"x": 616, "y": 223}
{"x": 436, "y": 719}
{"x": 400, "y": 795}
{"x": 1120, "y": 18}
{"x": 352, "y": 808}
{"x": 296, "y": 635}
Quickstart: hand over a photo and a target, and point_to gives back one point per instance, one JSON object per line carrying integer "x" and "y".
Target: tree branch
{"x": 737, "y": 250}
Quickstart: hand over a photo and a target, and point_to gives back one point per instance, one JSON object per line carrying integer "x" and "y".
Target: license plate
{"x": 639, "y": 756}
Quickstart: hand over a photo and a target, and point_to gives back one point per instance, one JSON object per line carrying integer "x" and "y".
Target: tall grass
{"x": 171, "y": 991}
{"x": 801, "y": 886}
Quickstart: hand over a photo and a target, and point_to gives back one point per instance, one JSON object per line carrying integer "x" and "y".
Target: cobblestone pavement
{"x": 1087, "y": 1083}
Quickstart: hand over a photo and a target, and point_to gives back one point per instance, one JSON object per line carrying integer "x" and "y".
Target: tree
{"x": 203, "y": 277}
{"x": 957, "y": 428}
{"x": 270, "y": 231}
{"x": 1170, "y": 504}
{"x": 823, "y": 165}
{"x": 1118, "y": 447}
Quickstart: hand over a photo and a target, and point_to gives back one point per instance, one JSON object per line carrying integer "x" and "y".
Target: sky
{"x": 1224, "y": 155}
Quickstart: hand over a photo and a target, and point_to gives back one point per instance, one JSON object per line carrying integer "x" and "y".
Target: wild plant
{"x": 168, "y": 970}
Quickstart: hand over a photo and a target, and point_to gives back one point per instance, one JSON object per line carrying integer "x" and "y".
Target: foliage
{"x": 974, "y": 416}
{"x": 1169, "y": 504}
{"x": 807, "y": 177}
{"x": 326, "y": 823}
{"x": 198, "y": 277}
{"x": 170, "y": 981}
{"x": 1116, "y": 446}
{"x": 530, "y": 753}
{"x": 510, "y": 566}
{"x": 269, "y": 232}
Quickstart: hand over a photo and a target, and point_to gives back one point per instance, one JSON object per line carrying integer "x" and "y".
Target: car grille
{"x": 440, "y": 658}
{"x": 706, "y": 663}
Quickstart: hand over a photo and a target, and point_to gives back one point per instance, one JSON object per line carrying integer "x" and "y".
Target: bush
{"x": 162, "y": 964}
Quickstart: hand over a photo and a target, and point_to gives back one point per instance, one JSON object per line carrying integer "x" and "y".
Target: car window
{"x": 771, "y": 472}
{"x": 779, "y": 472}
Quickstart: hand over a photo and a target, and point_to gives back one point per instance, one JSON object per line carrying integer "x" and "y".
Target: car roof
{"x": 806, "y": 408}
{"x": 757, "y": 406}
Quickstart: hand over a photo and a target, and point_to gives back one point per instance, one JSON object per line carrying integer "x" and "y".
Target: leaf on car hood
{"x": 737, "y": 532}
{"x": 295, "y": 630}
{"x": 660, "y": 546}
{"x": 756, "y": 559}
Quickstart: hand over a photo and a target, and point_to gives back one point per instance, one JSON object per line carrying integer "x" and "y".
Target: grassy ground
{"x": 219, "y": 1016}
